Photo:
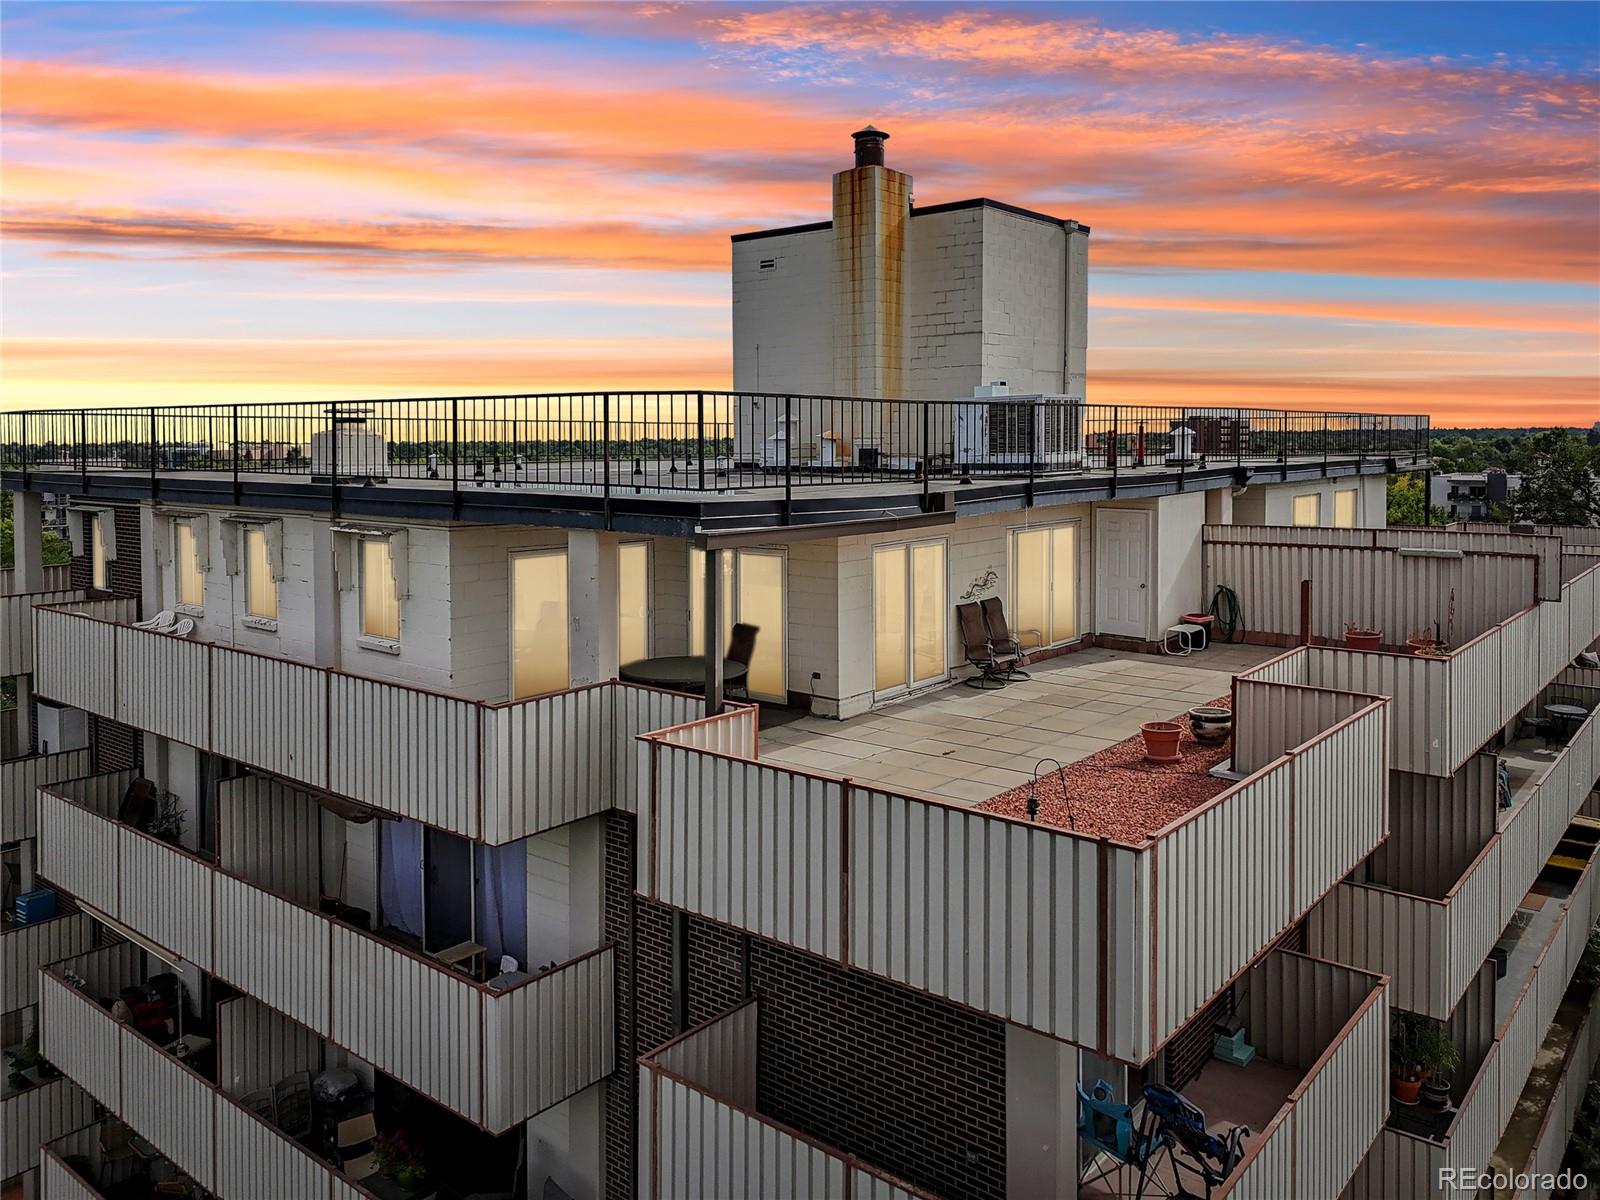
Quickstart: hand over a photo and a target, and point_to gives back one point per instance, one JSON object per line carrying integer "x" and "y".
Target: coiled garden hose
{"x": 1229, "y": 625}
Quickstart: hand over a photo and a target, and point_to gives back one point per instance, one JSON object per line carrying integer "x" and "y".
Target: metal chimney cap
{"x": 869, "y": 146}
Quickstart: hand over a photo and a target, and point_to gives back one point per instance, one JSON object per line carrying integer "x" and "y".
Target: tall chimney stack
{"x": 871, "y": 204}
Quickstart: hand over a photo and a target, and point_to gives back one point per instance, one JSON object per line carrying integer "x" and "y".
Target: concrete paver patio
{"x": 963, "y": 745}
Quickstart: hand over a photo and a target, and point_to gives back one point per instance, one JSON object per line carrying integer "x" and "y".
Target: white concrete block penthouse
{"x": 790, "y": 791}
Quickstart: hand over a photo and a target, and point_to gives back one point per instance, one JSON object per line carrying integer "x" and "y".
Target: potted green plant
{"x": 1419, "y": 1050}
{"x": 1438, "y": 1056}
{"x": 400, "y": 1160}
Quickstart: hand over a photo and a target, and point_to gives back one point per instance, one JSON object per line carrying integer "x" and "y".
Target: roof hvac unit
{"x": 996, "y": 429}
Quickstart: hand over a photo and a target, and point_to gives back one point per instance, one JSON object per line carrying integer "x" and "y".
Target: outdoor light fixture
{"x": 1033, "y": 793}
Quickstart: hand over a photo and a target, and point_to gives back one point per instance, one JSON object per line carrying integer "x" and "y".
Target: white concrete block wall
{"x": 480, "y": 604}
{"x": 1026, "y": 272}
{"x": 786, "y": 310}
{"x": 985, "y": 299}
{"x": 944, "y": 308}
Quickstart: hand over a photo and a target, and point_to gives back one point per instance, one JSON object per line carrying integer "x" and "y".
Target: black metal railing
{"x": 687, "y": 441}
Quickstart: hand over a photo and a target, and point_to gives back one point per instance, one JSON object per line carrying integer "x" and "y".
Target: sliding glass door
{"x": 1044, "y": 583}
{"x": 910, "y": 605}
{"x": 752, "y": 592}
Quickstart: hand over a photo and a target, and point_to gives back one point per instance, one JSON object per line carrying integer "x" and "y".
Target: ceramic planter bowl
{"x": 1210, "y": 724}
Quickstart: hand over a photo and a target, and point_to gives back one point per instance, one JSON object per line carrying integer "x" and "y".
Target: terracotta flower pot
{"x": 1210, "y": 724}
{"x": 1363, "y": 639}
{"x": 1405, "y": 1089}
{"x": 1161, "y": 741}
{"x": 1422, "y": 645}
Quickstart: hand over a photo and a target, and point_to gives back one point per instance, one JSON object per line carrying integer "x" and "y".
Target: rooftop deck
{"x": 707, "y": 459}
{"x": 1081, "y": 710}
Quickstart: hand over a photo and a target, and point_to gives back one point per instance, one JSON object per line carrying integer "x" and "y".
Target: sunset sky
{"x": 1390, "y": 207}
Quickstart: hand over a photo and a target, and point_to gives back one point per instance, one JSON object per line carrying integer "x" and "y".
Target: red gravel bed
{"x": 1117, "y": 793}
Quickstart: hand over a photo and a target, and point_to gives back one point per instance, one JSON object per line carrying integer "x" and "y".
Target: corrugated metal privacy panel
{"x": 754, "y": 846}
{"x": 1545, "y": 549}
{"x": 719, "y": 1056}
{"x": 25, "y": 948}
{"x": 38, "y": 1115}
{"x": 1399, "y": 595}
{"x": 1295, "y": 1009}
{"x": 20, "y": 778}
{"x": 492, "y": 772}
{"x": 16, "y": 627}
{"x": 1107, "y": 945}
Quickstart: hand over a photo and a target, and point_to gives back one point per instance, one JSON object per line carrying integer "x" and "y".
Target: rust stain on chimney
{"x": 869, "y": 212}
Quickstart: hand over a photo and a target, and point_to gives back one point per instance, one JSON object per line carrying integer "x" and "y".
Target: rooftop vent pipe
{"x": 869, "y": 146}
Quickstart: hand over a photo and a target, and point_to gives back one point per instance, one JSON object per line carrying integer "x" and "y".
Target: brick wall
{"x": 126, "y": 569}
{"x": 912, "y": 1084}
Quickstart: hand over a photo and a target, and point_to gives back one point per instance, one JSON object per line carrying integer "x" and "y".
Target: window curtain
{"x": 503, "y": 902}
{"x": 400, "y": 876}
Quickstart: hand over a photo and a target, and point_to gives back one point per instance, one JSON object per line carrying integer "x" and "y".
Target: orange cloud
{"x": 1464, "y": 316}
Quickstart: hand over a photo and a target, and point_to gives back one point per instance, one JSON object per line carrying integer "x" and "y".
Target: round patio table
{"x": 1569, "y": 716}
{"x": 679, "y": 672}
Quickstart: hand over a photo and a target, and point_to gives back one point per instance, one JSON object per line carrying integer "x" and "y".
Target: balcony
{"x": 701, "y": 1133}
{"x": 1432, "y": 946}
{"x": 106, "y": 1159}
{"x": 1111, "y": 944}
{"x": 1543, "y": 945}
{"x": 1517, "y": 624}
{"x": 25, "y": 948}
{"x": 1314, "y": 1096}
{"x": 1545, "y": 1115}
{"x": 495, "y": 773}
{"x": 21, "y": 775}
{"x": 249, "y": 1126}
{"x": 16, "y": 615}
{"x": 496, "y": 1056}
{"x": 46, "y": 1109}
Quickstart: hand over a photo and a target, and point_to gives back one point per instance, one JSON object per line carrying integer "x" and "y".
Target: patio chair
{"x": 162, "y": 622}
{"x": 260, "y": 1102}
{"x": 352, "y": 1144}
{"x": 116, "y": 1147}
{"x": 1003, "y": 639}
{"x": 291, "y": 1100}
{"x": 741, "y": 649}
{"x": 993, "y": 667}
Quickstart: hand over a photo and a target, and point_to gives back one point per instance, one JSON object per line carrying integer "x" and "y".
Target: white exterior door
{"x": 1122, "y": 571}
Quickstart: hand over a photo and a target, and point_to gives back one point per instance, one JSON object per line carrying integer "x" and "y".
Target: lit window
{"x": 633, "y": 601}
{"x": 380, "y": 606}
{"x": 99, "y": 563}
{"x": 539, "y": 650}
{"x": 261, "y": 590}
{"x": 1308, "y": 510}
{"x": 1344, "y": 509}
{"x": 191, "y": 581}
